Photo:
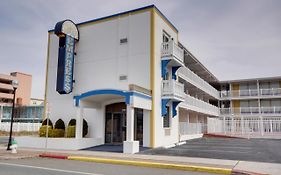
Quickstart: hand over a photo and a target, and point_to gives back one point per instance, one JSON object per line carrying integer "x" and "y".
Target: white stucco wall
{"x": 99, "y": 62}
{"x": 160, "y": 138}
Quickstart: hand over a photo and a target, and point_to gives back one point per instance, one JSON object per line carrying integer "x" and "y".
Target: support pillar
{"x": 130, "y": 146}
{"x": 79, "y": 123}
{"x": 1, "y": 113}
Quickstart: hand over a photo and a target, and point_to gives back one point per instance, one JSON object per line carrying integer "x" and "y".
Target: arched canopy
{"x": 125, "y": 94}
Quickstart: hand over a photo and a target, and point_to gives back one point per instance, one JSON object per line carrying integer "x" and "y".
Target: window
{"x": 166, "y": 37}
{"x": 166, "y": 118}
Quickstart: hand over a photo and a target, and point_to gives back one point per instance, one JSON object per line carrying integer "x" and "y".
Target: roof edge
{"x": 125, "y": 12}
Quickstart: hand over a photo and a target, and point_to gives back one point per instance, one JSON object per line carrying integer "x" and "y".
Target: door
{"x": 115, "y": 128}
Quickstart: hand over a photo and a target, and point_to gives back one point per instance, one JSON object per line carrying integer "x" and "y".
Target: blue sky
{"x": 234, "y": 39}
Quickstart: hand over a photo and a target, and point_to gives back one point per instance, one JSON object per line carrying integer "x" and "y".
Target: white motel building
{"x": 131, "y": 79}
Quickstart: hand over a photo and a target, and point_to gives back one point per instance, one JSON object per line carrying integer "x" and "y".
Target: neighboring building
{"x": 23, "y": 92}
{"x": 136, "y": 84}
{"x": 258, "y": 98}
{"x": 36, "y": 102}
{"x": 24, "y": 111}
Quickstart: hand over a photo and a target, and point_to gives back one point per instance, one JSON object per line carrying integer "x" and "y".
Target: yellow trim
{"x": 162, "y": 165}
{"x": 236, "y": 106}
{"x": 152, "y": 74}
{"x": 114, "y": 17}
{"x": 46, "y": 76}
{"x": 166, "y": 21}
{"x": 235, "y": 89}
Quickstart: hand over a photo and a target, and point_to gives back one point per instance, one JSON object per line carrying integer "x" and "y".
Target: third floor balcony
{"x": 171, "y": 51}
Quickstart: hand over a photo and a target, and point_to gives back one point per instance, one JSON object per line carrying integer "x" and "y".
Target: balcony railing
{"x": 195, "y": 80}
{"x": 250, "y": 110}
{"x": 6, "y": 96}
{"x": 192, "y": 128}
{"x": 251, "y": 93}
{"x": 172, "y": 49}
{"x": 271, "y": 110}
{"x": 270, "y": 92}
{"x": 200, "y": 106}
{"x": 6, "y": 86}
{"x": 173, "y": 89}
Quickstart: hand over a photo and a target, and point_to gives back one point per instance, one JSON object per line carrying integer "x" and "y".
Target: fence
{"x": 5, "y": 126}
{"x": 246, "y": 127}
{"x": 192, "y": 128}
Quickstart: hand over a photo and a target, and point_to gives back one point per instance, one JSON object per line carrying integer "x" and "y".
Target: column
{"x": 1, "y": 113}
{"x": 130, "y": 146}
{"x": 79, "y": 123}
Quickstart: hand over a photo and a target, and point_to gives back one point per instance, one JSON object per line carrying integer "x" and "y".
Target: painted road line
{"x": 153, "y": 164}
{"x": 47, "y": 169}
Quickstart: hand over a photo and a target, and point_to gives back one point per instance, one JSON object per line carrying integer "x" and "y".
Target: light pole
{"x": 15, "y": 84}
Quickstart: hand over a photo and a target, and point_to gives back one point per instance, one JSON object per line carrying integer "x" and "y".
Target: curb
{"x": 222, "y": 136}
{"x": 143, "y": 164}
{"x": 53, "y": 156}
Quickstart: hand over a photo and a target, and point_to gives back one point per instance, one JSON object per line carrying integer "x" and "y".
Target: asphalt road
{"x": 258, "y": 150}
{"x": 43, "y": 166}
{"x": 4, "y": 140}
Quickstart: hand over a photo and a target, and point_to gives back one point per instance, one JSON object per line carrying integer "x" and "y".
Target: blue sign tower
{"x": 68, "y": 35}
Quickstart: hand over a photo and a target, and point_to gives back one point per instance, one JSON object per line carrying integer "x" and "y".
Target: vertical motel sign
{"x": 68, "y": 35}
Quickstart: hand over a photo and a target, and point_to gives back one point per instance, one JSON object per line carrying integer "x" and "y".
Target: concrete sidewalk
{"x": 236, "y": 165}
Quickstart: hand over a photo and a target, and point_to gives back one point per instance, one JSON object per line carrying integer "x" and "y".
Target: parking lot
{"x": 260, "y": 150}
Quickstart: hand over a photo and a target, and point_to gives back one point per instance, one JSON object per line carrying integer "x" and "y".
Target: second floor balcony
{"x": 189, "y": 76}
{"x": 172, "y": 89}
{"x": 194, "y": 104}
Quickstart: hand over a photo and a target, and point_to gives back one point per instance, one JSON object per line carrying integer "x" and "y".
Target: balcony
{"x": 198, "y": 82}
{"x": 6, "y": 96}
{"x": 171, "y": 51}
{"x": 254, "y": 93}
{"x": 6, "y": 86}
{"x": 273, "y": 110}
{"x": 270, "y": 92}
{"x": 197, "y": 105}
{"x": 171, "y": 89}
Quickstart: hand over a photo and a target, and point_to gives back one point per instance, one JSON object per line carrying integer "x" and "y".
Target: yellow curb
{"x": 153, "y": 164}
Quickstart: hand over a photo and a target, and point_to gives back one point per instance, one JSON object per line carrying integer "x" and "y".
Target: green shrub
{"x": 70, "y": 131}
{"x": 57, "y": 133}
{"x": 59, "y": 124}
{"x": 43, "y": 130}
{"x": 45, "y": 122}
{"x": 72, "y": 122}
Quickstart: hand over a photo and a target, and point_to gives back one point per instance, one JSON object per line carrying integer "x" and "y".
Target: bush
{"x": 45, "y": 122}
{"x": 70, "y": 131}
{"x": 59, "y": 124}
{"x": 42, "y": 131}
{"x": 72, "y": 122}
{"x": 57, "y": 133}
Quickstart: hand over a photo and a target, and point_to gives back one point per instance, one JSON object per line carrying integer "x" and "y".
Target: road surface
{"x": 44, "y": 166}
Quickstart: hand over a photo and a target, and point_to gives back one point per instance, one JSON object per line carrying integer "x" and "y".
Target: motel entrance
{"x": 115, "y": 124}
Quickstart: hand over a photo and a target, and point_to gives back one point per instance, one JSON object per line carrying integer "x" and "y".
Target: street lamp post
{"x": 15, "y": 86}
